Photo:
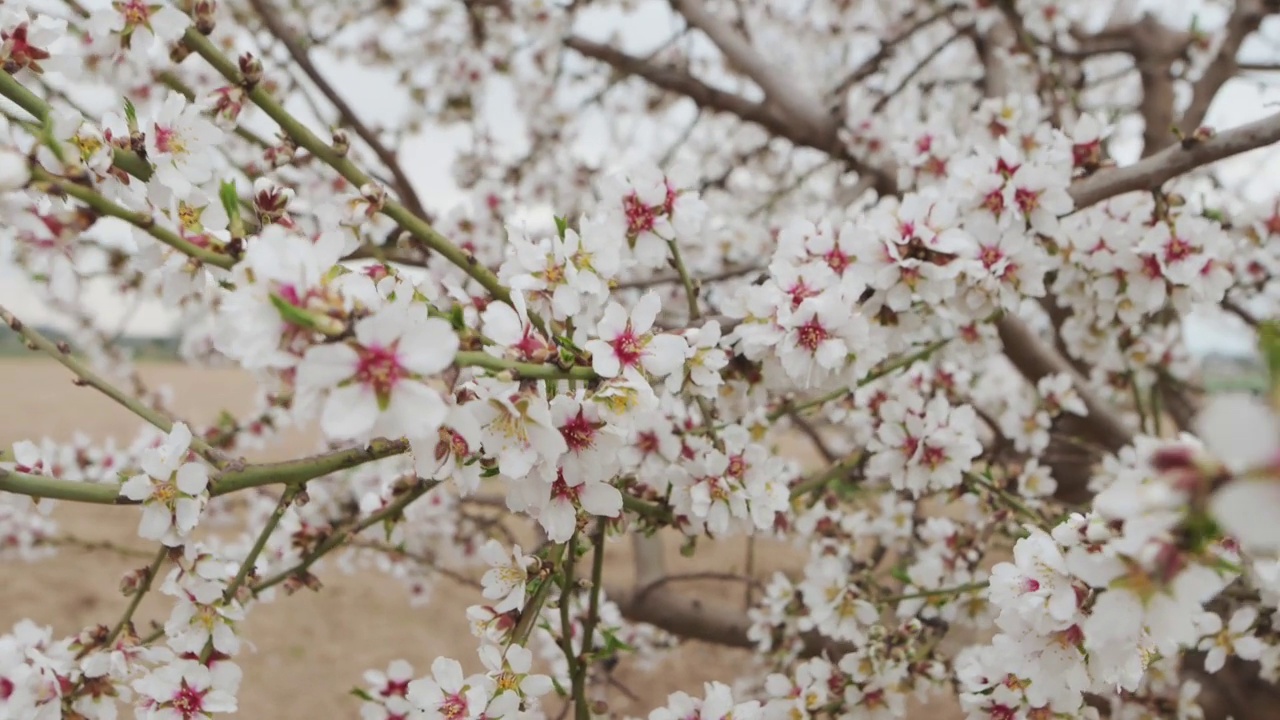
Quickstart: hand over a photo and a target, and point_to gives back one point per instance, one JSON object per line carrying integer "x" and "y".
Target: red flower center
{"x": 1002, "y": 712}
{"x": 379, "y": 368}
{"x": 454, "y": 706}
{"x": 579, "y": 433}
{"x": 647, "y": 442}
{"x": 1086, "y": 153}
{"x": 737, "y": 467}
{"x": 1177, "y": 249}
{"x": 810, "y": 335}
{"x": 627, "y": 347}
{"x": 932, "y": 456}
{"x": 395, "y": 688}
{"x": 994, "y": 202}
{"x": 1006, "y": 170}
{"x": 1028, "y": 200}
{"x": 837, "y": 260}
{"x": 188, "y": 701}
{"x": 530, "y": 343}
{"x": 640, "y": 217}
{"x": 1151, "y": 267}
{"x": 990, "y": 255}
{"x": 165, "y": 138}
{"x": 135, "y": 13}
{"x": 910, "y": 445}
{"x": 799, "y": 292}
{"x": 561, "y": 490}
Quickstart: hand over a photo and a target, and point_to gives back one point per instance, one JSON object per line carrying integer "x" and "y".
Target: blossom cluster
{"x": 643, "y": 363}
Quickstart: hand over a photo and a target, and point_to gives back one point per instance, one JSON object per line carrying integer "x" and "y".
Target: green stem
{"x": 223, "y": 483}
{"x": 650, "y": 510}
{"x": 583, "y": 711}
{"x": 886, "y": 369}
{"x": 691, "y": 298}
{"x": 92, "y": 545}
{"x": 820, "y": 480}
{"x": 532, "y": 371}
{"x": 576, "y": 675}
{"x": 10, "y": 88}
{"x": 338, "y": 538}
{"x": 942, "y": 592}
{"x": 140, "y": 220}
{"x": 87, "y": 377}
{"x": 416, "y": 226}
{"x": 23, "y": 98}
{"x": 533, "y": 607}
{"x": 138, "y": 593}
{"x": 173, "y": 82}
{"x": 1006, "y": 498}
{"x": 286, "y": 499}
{"x": 690, "y": 292}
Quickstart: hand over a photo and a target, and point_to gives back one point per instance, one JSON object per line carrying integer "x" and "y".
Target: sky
{"x": 375, "y": 96}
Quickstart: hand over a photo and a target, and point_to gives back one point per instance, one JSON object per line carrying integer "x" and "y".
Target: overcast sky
{"x": 375, "y": 96}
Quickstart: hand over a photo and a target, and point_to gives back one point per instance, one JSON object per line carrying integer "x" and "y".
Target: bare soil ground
{"x": 308, "y": 650}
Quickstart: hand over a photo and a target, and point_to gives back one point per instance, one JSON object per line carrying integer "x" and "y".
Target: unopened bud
{"x": 282, "y": 154}
{"x": 178, "y": 52}
{"x": 341, "y": 143}
{"x": 250, "y": 70}
{"x": 292, "y": 585}
{"x": 202, "y": 14}
{"x": 133, "y": 581}
{"x": 138, "y": 142}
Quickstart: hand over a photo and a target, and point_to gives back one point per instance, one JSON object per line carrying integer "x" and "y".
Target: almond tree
{"x": 927, "y": 237}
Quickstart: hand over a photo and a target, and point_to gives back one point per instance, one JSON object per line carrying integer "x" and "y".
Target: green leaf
{"x": 297, "y": 316}
{"x": 131, "y": 115}
{"x": 612, "y": 645}
{"x": 689, "y": 547}
{"x": 363, "y": 695}
{"x": 899, "y": 573}
{"x": 1201, "y": 531}
{"x": 562, "y": 225}
{"x": 230, "y": 198}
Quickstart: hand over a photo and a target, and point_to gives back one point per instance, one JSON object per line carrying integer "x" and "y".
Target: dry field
{"x": 308, "y": 650}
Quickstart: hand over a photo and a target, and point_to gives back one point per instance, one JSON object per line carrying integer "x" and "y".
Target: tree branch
{"x": 228, "y": 481}
{"x": 779, "y": 89}
{"x": 403, "y": 187}
{"x": 702, "y": 94}
{"x": 1244, "y": 20}
{"x": 1175, "y": 160}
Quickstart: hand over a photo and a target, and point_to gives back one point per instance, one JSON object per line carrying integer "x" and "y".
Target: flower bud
{"x": 341, "y": 143}
{"x": 250, "y": 70}
{"x": 133, "y": 581}
{"x": 178, "y": 52}
{"x": 202, "y": 14}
